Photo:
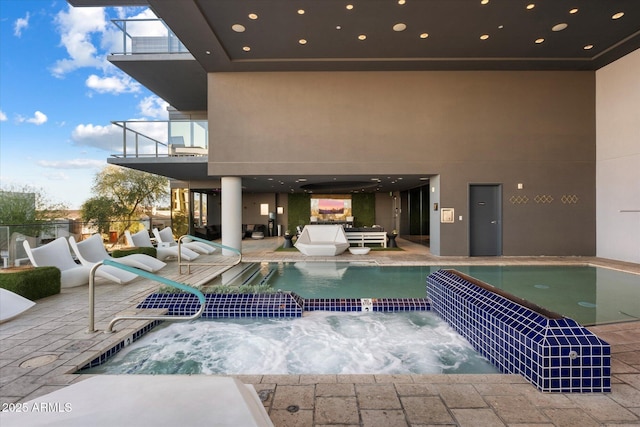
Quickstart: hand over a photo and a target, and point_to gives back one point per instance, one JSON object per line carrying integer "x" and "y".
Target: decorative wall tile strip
{"x": 568, "y": 199}
{"x": 543, "y": 198}
{"x": 518, "y": 200}
{"x": 553, "y": 352}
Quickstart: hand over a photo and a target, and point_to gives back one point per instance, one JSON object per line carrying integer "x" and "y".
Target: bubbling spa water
{"x": 317, "y": 343}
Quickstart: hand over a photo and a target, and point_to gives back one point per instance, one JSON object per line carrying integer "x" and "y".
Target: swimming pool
{"x": 589, "y": 295}
{"x": 317, "y": 343}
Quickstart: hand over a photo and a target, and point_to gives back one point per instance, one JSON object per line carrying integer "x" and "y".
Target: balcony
{"x": 145, "y": 36}
{"x": 152, "y": 54}
{"x": 177, "y": 149}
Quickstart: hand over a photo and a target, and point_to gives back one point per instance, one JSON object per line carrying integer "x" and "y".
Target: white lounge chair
{"x": 166, "y": 236}
{"x": 12, "y": 304}
{"x": 322, "y": 240}
{"x": 141, "y": 239}
{"x": 58, "y": 254}
{"x": 92, "y": 250}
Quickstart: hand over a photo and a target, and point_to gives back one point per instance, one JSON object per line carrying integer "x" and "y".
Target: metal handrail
{"x": 210, "y": 243}
{"x": 146, "y": 275}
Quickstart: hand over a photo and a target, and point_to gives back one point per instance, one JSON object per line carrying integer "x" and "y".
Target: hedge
{"x": 31, "y": 283}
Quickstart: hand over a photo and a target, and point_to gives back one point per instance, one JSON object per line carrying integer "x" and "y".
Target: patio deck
{"x": 41, "y": 350}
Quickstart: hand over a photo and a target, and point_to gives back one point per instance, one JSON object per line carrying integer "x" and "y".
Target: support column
{"x": 231, "y": 218}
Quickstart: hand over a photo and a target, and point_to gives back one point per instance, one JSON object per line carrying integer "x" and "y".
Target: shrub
{"x": 31, "y": 283}
{"x": 119, "y": 253}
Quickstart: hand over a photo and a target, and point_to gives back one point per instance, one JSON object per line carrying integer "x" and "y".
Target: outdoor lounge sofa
{"x": 322, "y": 240}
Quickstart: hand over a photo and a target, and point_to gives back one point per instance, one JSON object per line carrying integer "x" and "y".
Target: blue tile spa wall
{"x": 228, "y": 305}
{"x": 553, "y": 352}
{"x": 282, "y": 304}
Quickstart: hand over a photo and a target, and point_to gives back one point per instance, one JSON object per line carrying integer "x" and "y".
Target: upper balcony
{"x": 175, "y": 148}
{"x": 144, "y": 36}
{"x": 152, "y": 54}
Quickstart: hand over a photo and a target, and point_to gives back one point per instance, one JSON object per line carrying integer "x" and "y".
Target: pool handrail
{"x": 147, "y": 275}
{"x": 210, "y": 264}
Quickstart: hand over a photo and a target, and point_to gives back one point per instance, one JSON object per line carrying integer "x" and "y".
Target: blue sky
{"x": 59, "y": 94}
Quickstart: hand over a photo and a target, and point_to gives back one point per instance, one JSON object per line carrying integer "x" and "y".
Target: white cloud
{"x": 56, "y": 176}
{"x": 108, "y": 138}
{"x": 72, "y": 164}
{"x": 154, "y": 107}
{"x": 76, "y": 27}
{"x": 20, "y": 24}
{"x": 3, "y": 116}
{"x": 113, "y": 84}
{"x": 38, "y": 118}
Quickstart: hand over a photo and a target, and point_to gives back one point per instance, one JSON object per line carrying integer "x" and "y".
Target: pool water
{"x": 589, "y": 295}
{"x": 317, "y": 343}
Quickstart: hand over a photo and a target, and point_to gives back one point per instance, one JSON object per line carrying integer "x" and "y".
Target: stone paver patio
{"x": 41, "y": 350}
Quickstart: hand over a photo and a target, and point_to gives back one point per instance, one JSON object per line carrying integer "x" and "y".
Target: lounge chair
{"x": 322, "y": 240}
{"x": 58, "y": 254}
{"x": 141, "y": 239}
{"x": 12, "y": 304}
{"x": 92, "y": 250}
{"x": 166, "y": 236}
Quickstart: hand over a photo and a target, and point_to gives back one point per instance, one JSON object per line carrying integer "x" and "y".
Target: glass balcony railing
{"x": 147, "y": 36}
{"x": 167, "y": 138}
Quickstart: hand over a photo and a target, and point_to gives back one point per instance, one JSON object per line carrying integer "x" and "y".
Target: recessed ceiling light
{"x": 540, "y": 40}
{"x": 208, "y": 52}
{"x": 500, "y": 27}
{"x": 484, "y": 36}
{"x": 338, "y": 27}
{"x": 424, "y": 35}
{"x": 238, "y": 28}
{"x": 253, "y": 16}
{"x": 618, "y": 15}
{"x": 246, "y": 48}
{"x": 362, "y": 37}
{"x": 559, "y": 27}
{"x": 484, "y": 1}
{"x": 401, "y": 1}
{"x": 349, "y": 7}
{"x": 588, "y": 47}
{"x": 302, "y": 41}
{"x": 574, "y": 10}
{"x": 300, "y": 11}
{"x": 399, "y": 27}
{"x": 530, "y": 6}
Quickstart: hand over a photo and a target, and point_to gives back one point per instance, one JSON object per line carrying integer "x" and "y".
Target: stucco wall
{"x": 535, "y": 128}
{"x": 618, "y": 159}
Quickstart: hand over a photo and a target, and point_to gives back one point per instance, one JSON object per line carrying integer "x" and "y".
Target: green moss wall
{"x": 363, "y": 206}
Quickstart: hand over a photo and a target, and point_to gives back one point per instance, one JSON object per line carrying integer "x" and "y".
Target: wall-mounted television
{"x": 331, "y": 208}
